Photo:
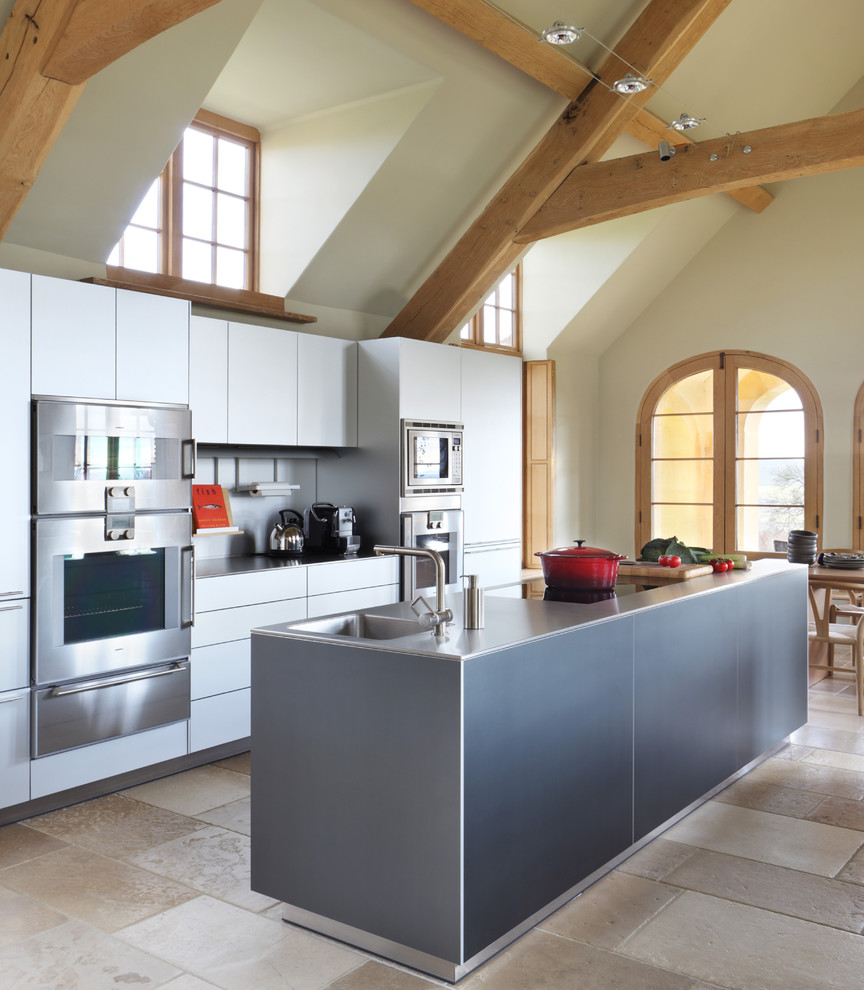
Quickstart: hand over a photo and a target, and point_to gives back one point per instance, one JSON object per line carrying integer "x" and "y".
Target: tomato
{"x": 720, "y": 566}
{"x": 730, "y": 565}
{"x": 673, "y": 561}
{"x": 663, "y": 561}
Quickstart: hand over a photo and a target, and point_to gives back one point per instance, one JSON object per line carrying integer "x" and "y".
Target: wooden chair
{"x": 822, "y": 630}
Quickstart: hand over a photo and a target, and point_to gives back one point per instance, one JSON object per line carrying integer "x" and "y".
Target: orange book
{"x": 210, "y": 507}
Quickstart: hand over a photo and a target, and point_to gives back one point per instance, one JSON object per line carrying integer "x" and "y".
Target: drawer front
{"x": 221, "y": 667}
{"x": 84, "y": 712}
{"x": 106, "y": 759}
{"x": 220, "y": 719}
{"x": 15, "y": 650}
{"x": 233, "y": 590}
{"x": 14, "y": 748}
{"x": 236, "y": 623}
{"x": 349, "y": 575}
{"x": 351, "y": 601}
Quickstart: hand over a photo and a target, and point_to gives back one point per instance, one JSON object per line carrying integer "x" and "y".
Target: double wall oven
{"x": 113, "y": 570}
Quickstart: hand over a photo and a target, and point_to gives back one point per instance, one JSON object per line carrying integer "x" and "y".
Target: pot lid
{"x": 582, "y": 552}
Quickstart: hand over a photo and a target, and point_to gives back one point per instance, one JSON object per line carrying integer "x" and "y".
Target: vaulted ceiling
{"x": 410, "y": 146}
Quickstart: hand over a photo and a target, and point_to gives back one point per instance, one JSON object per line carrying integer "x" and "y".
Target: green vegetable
{"x": 656, "y": 548}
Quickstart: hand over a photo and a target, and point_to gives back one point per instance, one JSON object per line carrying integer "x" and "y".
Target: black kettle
{"x": 287, "y": 538}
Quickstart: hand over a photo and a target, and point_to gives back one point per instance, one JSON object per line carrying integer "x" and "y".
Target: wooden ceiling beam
{"x": 44, "y": 36}
{"x": 519, "y": 45}
{"x": 658, "y": 41}
{"x": 600, "y": 191}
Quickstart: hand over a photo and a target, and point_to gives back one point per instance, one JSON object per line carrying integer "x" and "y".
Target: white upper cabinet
{"x": 94, "y": 342}
{"x": 262, "y": 385}
{"x": 15, "y": 436}
{"x": 492, "y": 413}
{"x": 326, "y": 391}
{"x": 73, "y": 326}
{"x": 430, "y": 381}
{"x": 208, "y": 379}
{"x": 152, "y": 347}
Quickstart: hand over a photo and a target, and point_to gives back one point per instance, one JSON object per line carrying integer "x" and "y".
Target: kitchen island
{"x": 432, "y": 799}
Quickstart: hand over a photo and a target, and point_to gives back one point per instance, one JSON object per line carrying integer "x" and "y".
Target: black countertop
{"x": 248, "y": 563}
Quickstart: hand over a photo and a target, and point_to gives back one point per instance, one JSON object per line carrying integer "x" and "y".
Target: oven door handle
{"x": 187, "y": 586}
{"x": 190, "y": 458}
{"x": 61, "y": 692}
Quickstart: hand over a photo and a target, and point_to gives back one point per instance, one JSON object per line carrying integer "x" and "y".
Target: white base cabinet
{"x": 494, "y": 564}
{"x": 14, "y": 748}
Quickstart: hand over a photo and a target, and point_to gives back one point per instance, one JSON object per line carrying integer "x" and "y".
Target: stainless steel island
{"x": 430, "y": 799}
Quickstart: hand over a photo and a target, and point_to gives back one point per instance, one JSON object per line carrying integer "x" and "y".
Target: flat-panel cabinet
{"x": 430, "y": 381}
{"x": 95, "y": 342}
{"x": 208, "y": 379}
{"x": 14, "y": 748}
{"x": 262, "y": 385}
{"x": 326, "y": 391}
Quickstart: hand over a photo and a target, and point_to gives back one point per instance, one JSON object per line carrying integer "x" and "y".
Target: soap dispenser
{"x": 472, "y": 603}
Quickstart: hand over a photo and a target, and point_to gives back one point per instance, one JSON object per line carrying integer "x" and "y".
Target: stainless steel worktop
{"x": 513, "y": 619}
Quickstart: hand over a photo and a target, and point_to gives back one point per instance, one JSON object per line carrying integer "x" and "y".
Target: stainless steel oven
{"x": 431, "y": 458}
{"x": 432, "y": 529}
{"x": 113, "y": 571}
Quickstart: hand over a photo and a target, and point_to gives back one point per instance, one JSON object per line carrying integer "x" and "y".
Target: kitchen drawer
{"x": 14, "y": 636}
{"x": 221, "y": 667}
{"x": 349, "y": 575}
{"x": 220, "y": 719}
{"x": 14, "y": 748}
{"x": 251, "y": 588}
{"x": 352, "y": 601}
{"x": 105, "y": 759}
{"x": 236, "y": 623}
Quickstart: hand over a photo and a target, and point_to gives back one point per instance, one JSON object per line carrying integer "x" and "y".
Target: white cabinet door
{"x": 262, "y": 385}
{"x": 14, "y": 748}
{"x": 494, "y": 565}
{"x": 208, "y": 379}
{"x": 14, "y": 644}
{"x": 326, "y": 391}
{"x": 152, "y": 347}
{"x": 492, "y": 414}
{"x": 73, "y": 325}
{"x": 220, "y": 719}
{"x": 430, "y": 381}
{"x": 15, "y": 435}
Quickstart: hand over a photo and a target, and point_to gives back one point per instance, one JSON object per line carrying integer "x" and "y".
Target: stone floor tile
{"x": 237, "y": 950}
{"x": 829, "y": 718}
{"x": 791, "y": 752}
{"x": 541, "y": 961}
{"x": 747, "y": 948}
{"x": 242, "y": 763}
{"x": 822, "y": 737}
{"x": 234, "y": 816}
{"x": 610, "y": 910}
{"x": 377, "y": 976}
{"x": 114, "y": 825}
{"x": 102, "y": 892}
{"x": 840, "y": 760}
{"x": 193, "y": 791}
{"x": 213, "y": 861}
{"x": 21, "y": 917}
{"x": 791, "y": 801}
{"x": 839, "y": 811}
{"x": 809, "y": 777}
{"x": 801, "y": 845}
{"x": 775, "y": 888}
{"x": 657, "y": 859}
{"x": 75, "y": 956}
{"x": 187, "y": 982}
{"x": 853, "y": 871}
{"x": 19, "y": 843}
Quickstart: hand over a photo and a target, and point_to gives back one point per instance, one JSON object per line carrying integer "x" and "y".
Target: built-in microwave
{"x": 431, "y": 457}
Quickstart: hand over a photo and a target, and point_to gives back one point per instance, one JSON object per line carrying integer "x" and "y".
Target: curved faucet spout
{"x": 441, "y": 614}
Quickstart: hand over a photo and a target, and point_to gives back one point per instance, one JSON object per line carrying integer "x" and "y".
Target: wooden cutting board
{"x": 645, "y": 570}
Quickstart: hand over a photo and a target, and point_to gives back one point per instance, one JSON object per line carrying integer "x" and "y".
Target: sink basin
{"x": 359, "y": 626}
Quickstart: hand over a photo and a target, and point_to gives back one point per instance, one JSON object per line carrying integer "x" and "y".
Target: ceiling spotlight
{"x": 631, "y": 84}
{"x": 561, "y": 34}
{"x": 686, "y": 123}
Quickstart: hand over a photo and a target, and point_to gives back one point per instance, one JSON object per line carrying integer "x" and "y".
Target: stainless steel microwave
{"x": 431, "y": 457}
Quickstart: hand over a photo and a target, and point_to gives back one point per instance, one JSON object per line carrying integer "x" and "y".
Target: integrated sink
{"x": 359, "y": 626}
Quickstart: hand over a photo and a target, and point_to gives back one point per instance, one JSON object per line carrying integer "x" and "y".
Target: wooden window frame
{"x": 725, "y": 365}
{"x": 858, "y": 472}
{"x": 475, "y": 339}
{"x": 171, "y": 205}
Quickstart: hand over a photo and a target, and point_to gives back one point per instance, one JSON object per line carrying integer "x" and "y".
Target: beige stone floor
{"x": 761, "y": 888}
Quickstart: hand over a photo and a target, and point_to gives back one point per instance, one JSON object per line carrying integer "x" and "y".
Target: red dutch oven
{"x": 580, "y": 568}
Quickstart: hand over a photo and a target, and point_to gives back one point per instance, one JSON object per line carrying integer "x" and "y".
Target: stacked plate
{"x": 844, "y": 561}
{"x": 801, "y": 547}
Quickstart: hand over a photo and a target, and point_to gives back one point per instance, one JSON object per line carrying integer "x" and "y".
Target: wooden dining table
{"x": 822, "y": 580}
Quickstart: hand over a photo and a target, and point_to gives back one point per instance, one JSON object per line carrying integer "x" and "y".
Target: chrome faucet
{"x": 428, "y": 619}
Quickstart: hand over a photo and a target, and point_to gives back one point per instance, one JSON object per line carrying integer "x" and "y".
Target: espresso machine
{"x": 330, "y": 529}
